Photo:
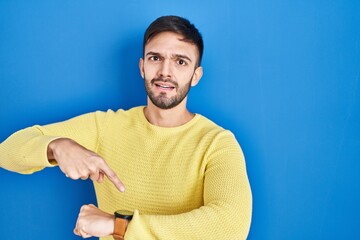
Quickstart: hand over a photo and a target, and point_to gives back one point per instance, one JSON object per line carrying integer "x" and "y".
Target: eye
{"x": 154, "y": 58}
{"x": 182, "y": 62}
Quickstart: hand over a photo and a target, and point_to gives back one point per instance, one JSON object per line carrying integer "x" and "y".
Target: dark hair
{"x": 177, "y": 25}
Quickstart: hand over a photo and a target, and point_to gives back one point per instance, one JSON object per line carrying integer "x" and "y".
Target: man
{"x": 185, "y": 176}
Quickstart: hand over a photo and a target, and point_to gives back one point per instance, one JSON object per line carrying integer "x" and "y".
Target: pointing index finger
{"x": 111, "y": 175}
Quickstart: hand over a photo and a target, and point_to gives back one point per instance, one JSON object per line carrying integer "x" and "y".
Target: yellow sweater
{"x": 187, "y": 182}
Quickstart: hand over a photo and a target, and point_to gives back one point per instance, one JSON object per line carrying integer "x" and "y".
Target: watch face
{"x": 124, "y": 214}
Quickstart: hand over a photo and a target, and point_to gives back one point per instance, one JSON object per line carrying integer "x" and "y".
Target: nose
{"x": 165, "y": 69}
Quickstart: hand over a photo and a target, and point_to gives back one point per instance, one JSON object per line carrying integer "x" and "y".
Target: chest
{"x": 162, "y": 175}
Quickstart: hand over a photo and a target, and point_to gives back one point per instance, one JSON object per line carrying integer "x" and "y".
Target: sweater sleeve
{"x": 25, "y": 151}
{"x": 227, "y": 209}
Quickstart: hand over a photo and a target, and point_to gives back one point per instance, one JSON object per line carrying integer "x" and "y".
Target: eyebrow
{"x": 174, "y": 55}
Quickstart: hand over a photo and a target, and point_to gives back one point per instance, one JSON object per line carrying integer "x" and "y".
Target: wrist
{"x": 122, "y": 219}
{"x": 53, "y": 148}
{"x": 111, "y": 225}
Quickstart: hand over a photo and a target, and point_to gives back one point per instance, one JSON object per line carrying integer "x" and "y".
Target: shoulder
{"x": 209, "y": 126}
{"x": 218, "y": 135}
{"x": 221, "y": 144}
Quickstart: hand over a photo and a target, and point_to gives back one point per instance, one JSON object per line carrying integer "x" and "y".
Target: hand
{"x": 93, "y": 222}
{"x": 76, "y": 162}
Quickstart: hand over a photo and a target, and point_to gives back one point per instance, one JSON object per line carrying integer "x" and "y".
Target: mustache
{"x": 165, "y": 80}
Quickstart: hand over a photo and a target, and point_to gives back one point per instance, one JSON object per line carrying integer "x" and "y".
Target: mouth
{"x": 164, "y": 86}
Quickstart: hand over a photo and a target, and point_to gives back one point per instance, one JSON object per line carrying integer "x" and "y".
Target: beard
{"x": 161, "y": 100}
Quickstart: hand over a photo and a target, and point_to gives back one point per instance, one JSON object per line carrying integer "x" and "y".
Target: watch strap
{"x": 120, "y": 228}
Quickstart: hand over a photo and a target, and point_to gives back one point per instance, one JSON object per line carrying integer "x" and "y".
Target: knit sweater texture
{"x": 186, "y": 182}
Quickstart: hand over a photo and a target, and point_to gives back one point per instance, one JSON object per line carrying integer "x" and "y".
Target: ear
{"x": 141, "y": 67}
{"x": 197, "y": 76}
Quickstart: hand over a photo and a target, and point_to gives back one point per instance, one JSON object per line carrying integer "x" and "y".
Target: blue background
{"x": 282, "y": 75}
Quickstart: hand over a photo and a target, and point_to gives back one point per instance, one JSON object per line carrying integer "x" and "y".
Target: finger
{"x": 101, "y": 177}
{"x": 111, "y": 175}
{"x": 83, "y": 233}
{"x": 76, "y": 232}
{"x": 76, "y": 229}
{"x": 84, "y": 177}
{"x": 72, "y": 175}
{"x": 84, "y": 174}
{"x": 95, "y": 176}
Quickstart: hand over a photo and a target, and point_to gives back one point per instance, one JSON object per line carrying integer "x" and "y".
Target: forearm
{"x": 208, "y": 222}
{"x": 25, "y": 151}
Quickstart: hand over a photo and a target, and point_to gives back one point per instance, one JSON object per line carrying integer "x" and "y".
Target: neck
{"x": 173, "y": 117}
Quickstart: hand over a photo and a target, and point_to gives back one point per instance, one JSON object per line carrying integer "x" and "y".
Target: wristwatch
{"x": 122, "y": 219}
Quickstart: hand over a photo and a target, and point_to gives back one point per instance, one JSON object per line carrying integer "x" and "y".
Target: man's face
{"x": 169, "y": 69}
